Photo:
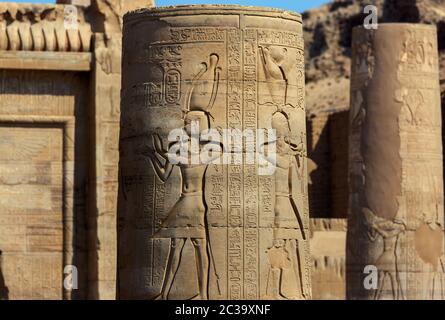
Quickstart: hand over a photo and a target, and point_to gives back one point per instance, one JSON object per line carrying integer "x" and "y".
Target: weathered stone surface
{"x": 43, "y": 28}
{"x": 43, "y": 177}
{"x": 212, "y": 231}
{"x": 107, "y": 82}
{"x": 328, "y": 251}
{"x": 327, "y": 33}
{"x": 59, "y": 129}
{"x": 396, "y": 218}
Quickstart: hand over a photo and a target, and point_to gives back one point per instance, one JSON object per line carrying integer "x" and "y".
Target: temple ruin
{"x": 60, "y": 134}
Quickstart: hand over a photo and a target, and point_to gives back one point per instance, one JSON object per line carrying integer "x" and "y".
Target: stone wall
{"x": 59, "y": 115}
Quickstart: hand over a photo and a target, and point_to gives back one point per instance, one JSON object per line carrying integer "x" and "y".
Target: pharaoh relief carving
{"x": 396, "y": 184}
{"x": 214, "y": 229}
{"x": 186, "y": 221}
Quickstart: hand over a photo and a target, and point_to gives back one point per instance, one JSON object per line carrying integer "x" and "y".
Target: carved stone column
{"x": 395, "y": 232}
{"x": 106, "y": 80}
{"x": 221, "y": 230}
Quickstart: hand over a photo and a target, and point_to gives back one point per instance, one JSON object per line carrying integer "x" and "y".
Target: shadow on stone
{"x": 4, "y": 291}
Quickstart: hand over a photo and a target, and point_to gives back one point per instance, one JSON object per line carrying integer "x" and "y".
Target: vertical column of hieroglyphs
{"x": 250, "y": 123}
{"x": 235, "y": 173}
{"x": 395, "y": 232}
{"x": 216, "y": 230}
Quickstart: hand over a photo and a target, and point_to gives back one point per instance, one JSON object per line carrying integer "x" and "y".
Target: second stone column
{"x": 395, "y": 231}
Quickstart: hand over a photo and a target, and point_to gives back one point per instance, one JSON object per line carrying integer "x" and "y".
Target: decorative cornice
{"x": 28, "y": 27}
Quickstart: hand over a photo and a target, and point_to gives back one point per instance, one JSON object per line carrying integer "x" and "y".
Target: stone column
{"x": 220, "y": 230}
{"x": 106, "y": 80}
{"x": 395, "y": 233}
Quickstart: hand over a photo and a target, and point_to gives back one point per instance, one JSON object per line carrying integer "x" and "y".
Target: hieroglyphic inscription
{"x": 235, "y": 172}
{"x": 289, "y": 39}
{"x": 157, "y": 215}
{"x": 165, "y": 87}
{"x": 180, "y": 35}
{"x": 251, "y": 272}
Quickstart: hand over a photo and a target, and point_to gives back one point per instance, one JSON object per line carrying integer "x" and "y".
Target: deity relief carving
{"x": 281, "y": 75}
{"x": 205, "y": 86}
{"x": 285, "y": 255}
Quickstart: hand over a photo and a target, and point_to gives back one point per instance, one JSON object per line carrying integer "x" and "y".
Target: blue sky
{"x": 296, "y": 5}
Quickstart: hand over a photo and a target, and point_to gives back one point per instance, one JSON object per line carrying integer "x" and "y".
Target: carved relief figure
{"x": 235, "y": 207}
{"x": 413, "y": 111}
{"x": 363, "y": 60}
{"x": 387, "y": 262}
{"x": 417, "y": 52}
{"x": 276, "y": 62}
{"x": 358, "y": 111}
{"x": 186, "y": 220}
{"x": 205, "y": 84}
{"x": 285, "y": 256}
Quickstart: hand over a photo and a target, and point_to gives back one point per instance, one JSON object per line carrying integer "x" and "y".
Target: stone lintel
{"x": 32, "y": 60}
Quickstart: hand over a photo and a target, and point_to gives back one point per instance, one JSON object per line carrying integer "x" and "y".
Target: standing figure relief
{"x": 285, "y": 278}
{"x": 387, "y": 262}
{"x": 186, "y": 220}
